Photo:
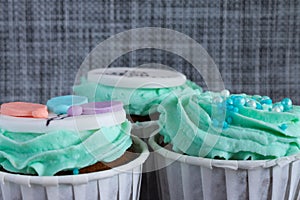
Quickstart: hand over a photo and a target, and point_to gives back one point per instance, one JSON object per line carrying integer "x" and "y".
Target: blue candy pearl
{"x": 229, "y": 120}
{"x": 283, "y": 127}
{"x": 229, "y": 101}
{"x": 266, "y": 100}
{"x": 230, "y": 107}
{"x": 239, "y": 101}
{"x": 287, "y": 104}
{"x": 236, "y": 109}
{"x": 258, "y": 106}
{"x": 75, "y": 171}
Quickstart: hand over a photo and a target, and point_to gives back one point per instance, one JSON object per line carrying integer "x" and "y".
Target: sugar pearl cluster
{"x": 232, "y": 104}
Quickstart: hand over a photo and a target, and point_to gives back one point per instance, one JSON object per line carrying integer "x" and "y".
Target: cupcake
{"x": 141, "y": 90}
{"x": 222, "y": 146}
{"x": 85, "y": 151}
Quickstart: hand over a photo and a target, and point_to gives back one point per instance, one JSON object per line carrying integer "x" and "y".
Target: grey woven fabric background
{"x": 256, "y": 44}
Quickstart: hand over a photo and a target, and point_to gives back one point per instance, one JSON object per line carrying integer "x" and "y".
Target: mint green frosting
{"x": 48, "y": 153}
{"x": 142, "y": 101}
{"x": 186, "y": 121}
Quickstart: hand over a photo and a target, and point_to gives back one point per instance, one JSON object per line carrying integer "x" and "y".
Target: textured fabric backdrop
{"x": 256, "y": 44}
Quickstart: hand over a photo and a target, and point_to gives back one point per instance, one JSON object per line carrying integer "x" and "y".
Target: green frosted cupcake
{"x": 246, "y": 146}
{"x": 140, "y": 89}
{"x": 44, "y": 155}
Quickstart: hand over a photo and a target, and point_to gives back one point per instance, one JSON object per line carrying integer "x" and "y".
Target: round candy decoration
{"x": 136, "y": 77}
{"x": 60, "y": 105}
{"x": 287, "y": 104}
{"x": 27, "y": 117}
{"x": 24, "y": 109}
{"x": 95, "y": 108}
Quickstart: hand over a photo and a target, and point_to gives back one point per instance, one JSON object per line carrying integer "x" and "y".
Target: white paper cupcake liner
{"x": 149, "y": 187}
{"x": 187, "y": 178}
{"x": 122, "y": 182}
{"x": 144, "y": 130}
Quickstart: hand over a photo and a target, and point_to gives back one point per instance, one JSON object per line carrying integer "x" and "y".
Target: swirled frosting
{"x": 141, "y": 101}
{"x": 237, "y": 127}
{"x": 48, "y": 153}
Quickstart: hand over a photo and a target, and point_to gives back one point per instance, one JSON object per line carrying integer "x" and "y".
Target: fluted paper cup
{"x": 144, "y": 130}
{"x": 187, "y": 177}
{"x": 122, "y": 182}
{"x": 149, "y": 188}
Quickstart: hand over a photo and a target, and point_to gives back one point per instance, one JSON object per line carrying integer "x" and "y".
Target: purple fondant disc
{"x": 96, "y": 108}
